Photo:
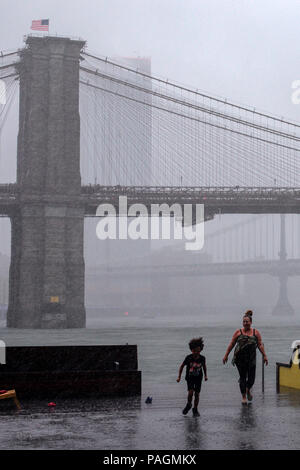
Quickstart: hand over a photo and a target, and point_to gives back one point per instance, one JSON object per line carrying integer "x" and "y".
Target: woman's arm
{"x": 261, "y": 346}
{"x": 231, "y": 345}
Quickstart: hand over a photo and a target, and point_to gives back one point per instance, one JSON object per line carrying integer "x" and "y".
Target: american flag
{"x": 40, "y": 25}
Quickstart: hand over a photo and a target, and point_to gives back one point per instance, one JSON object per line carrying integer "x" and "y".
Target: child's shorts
{"x": 194, "y": 384}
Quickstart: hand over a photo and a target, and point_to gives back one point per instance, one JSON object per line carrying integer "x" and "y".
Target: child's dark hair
{"x": 196, "y": 342}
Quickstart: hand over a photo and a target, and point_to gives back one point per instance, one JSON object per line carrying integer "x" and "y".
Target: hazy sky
{"x": 244, "y": 50}
{"x": 247, "y": 50}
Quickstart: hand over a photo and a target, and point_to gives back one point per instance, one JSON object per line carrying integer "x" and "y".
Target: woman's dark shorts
{"x": 194, "y": 384}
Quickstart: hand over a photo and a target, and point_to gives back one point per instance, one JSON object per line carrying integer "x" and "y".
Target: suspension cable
{"x": 191, "y": 118}
{"x": 195, "y": 92}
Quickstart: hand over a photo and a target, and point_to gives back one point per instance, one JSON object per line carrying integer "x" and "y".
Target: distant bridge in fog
{"x": 274, "y": 268}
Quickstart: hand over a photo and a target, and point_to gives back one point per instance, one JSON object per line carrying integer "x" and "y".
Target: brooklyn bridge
{"x": 93, "y": 129}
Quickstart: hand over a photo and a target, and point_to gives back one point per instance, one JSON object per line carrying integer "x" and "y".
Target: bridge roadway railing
{"x": 223, "y": 190}
{"x": 8, "y": 198}
{"x": 8, "y": 189}
{"x": 215, "y": 199}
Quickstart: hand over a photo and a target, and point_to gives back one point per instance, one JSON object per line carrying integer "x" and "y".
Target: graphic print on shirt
{"x": 195, "y": 369}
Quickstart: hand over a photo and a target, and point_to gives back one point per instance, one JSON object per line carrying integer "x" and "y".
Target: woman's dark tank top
{"x": 245, "y": 350}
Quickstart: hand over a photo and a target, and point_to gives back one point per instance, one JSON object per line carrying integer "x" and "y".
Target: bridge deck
{"x": 274, "y": 268}
{"x": 226, "y": 200}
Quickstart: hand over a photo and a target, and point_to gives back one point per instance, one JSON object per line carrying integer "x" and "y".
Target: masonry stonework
{"x": 47, "y": 265}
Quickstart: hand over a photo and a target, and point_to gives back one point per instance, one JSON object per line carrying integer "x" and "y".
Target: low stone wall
{"x": 63, "y": 371}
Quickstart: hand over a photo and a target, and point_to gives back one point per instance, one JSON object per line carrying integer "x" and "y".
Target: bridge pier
{"x": 47, "y": 265}
{"x": 283, "y": 306}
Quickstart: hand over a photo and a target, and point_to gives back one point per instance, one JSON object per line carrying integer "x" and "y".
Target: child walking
{"x": 194, "y": 363}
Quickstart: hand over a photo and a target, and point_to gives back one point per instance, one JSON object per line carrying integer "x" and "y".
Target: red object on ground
{"x": 51, "y": 404}
{"x": 2, "y": 391}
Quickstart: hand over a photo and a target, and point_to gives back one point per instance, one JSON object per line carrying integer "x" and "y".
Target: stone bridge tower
{"x": 47, "y": 265}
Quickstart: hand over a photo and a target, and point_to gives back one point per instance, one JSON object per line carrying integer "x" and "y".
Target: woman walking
{"x": 247, "y": 339}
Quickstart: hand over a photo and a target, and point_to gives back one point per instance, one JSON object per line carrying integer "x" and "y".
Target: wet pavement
{"x": 270, "y": 422}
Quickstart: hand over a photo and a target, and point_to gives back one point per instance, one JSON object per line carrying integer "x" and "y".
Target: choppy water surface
{"x": 270, "y": 422}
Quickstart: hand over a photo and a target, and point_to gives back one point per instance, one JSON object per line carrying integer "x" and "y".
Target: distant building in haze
{"x": 120, "y": 121}
{"x": 120, "y": 124}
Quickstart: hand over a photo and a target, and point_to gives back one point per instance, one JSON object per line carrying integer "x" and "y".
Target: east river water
{"x": 270, "y": 422}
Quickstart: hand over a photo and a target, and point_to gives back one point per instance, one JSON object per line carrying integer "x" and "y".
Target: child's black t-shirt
{"x": 194, "y": 366}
